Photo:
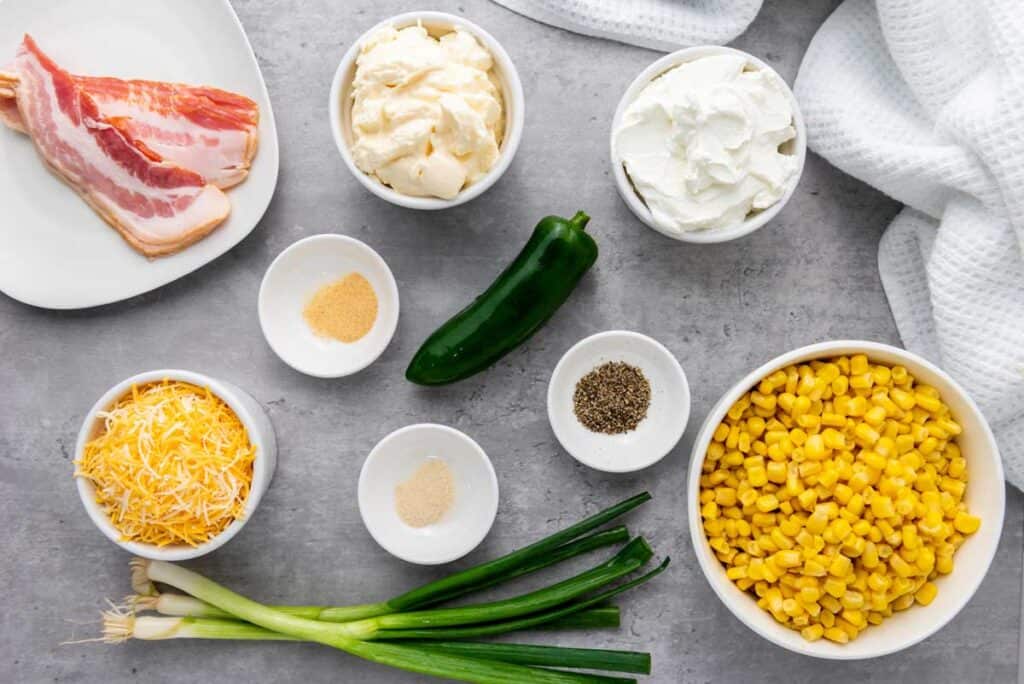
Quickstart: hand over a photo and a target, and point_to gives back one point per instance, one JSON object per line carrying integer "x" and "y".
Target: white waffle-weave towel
{"x": 655, "y": 24}
{"x": 924, "y": 99}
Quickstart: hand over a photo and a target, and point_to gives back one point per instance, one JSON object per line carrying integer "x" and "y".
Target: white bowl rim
{"x": 514, "y": 124}
{"x": 625, "y": 187}
{"x": 646, "y": 339}
{"x": 729, "y": 594}
{"x": 261, "y": 475}
{"x": 492, "y": 479}
{"x": 352, "y": 242}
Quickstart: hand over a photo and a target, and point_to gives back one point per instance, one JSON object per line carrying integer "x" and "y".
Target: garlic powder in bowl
{"x": 427, "y": 113}
{"x": 708, "y": 141}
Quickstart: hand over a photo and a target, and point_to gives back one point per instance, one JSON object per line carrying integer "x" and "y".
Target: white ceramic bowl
{"x": 257, "y": 425}
{"x": 797, "y": 147}
{"x": 666, "y": 418}
{"x": 340, "y": 109}
{"x": 394, "y": 460}
{"x": 985, "y": 497}
{"x": 295, "y": 276}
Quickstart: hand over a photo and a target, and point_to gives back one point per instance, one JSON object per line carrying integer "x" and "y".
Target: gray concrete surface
{"x": 809, "y": 276}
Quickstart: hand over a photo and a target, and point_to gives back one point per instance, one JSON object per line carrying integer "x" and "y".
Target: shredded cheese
{"x": 173, "y": 464}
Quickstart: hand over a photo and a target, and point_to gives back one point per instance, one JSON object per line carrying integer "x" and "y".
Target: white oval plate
{"x": 56, "y": 252}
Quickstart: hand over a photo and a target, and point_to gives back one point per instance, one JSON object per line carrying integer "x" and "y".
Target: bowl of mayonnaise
{"x": 427, "y": 110}
{"x": 707, "y": 144}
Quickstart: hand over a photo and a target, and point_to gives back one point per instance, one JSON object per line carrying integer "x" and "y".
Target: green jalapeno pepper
{"x": 515, "y": 306}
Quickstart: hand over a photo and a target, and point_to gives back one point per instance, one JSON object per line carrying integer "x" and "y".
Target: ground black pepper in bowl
{"x": 612, "y": 399}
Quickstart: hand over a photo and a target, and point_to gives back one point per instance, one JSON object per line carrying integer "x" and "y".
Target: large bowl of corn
{"x": 845, "y": 499}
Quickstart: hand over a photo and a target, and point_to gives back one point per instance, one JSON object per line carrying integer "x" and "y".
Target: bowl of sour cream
{"x": 707, "y": 144}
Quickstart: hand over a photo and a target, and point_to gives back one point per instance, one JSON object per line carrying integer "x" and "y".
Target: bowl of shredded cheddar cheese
{"x": 170, "y": 464}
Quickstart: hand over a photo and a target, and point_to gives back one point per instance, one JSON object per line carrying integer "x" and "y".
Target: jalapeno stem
{"x": 580, "y": 220}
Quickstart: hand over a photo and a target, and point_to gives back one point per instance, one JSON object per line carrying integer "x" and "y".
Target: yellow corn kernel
{"x": 859, "y": 364}
{"x": 966, "y": 523}
{"x": 926, "y": 594}
{"x": 780, "y": 540}
{"x": 815, "y": 447}
{"x": 837, "y": 635}
{"x": 927, "y": 402}
{"x": 834, "y": 587}
{"x": 957, "y": 467}
{"x": 813, "y": 568}
{"x": 900, "y": 566}
{"x": 725, "y": 496}
{"x": 854, "y": 546}
{"x": 721, "y": 432}
{"x": 881, "y": 507}
{"x": 807, "y": 499}
{"x": 776, "y": 472}
{"x": 841, "y": 566}
{"x": 757, "y": 476}
{"x": 944, "y": 565}
{"x": 736, "y": 573}
{"x": 952, "y": 486}
{"x": 809, "y": 594}
{"x": 812, "y": 632}
{"x": 817, "y": 522}
{"x": 857, "y": 407}
{"x": 809, "y": 468}
{"x": 903, "y": 602}
{"x": 865, "y": 434}
{"x": 869, "y": 558}
{"x": 855, "y": 618}
{"x": 859, "y": 480}
{"x": 852, "y": 600}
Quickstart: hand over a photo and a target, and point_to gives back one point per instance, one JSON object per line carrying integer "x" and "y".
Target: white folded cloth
{"x": 655, "y": 24}
{"x": 924, "y": 100}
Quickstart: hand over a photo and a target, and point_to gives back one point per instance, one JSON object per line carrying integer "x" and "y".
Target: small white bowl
{"x": 394, "y": 460}
{"x": 985, "y": 497}
{"x": 257, "y": 425}
{"x": 797, "y": 146}
{"x": 666, "y": 418}
{"x": 340, "y": 109}
{"x": 295, "y": 276}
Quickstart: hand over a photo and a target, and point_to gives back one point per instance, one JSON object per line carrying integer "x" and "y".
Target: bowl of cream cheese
{"x": 707, "y": 144}
{"x": 427, "y": 110}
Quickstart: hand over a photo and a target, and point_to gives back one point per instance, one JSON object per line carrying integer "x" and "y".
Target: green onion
{"x": 180, "y": 605}
{"x": 408, "y": 632}
{"x": 120, "y": 626}
{"x": 551, "y": 656}
{"x": 632, "y": 557}
{"x": 536, "y": 620}
{"x": 404, "y": 657}
{"x": 591, "y": 542}
{"x": 599, "y": 617}
{"x": 450, "y": 586}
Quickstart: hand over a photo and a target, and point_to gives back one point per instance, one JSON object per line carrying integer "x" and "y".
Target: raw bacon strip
{"x": 157, "y": 206}
{"x": 211, "y": 131}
